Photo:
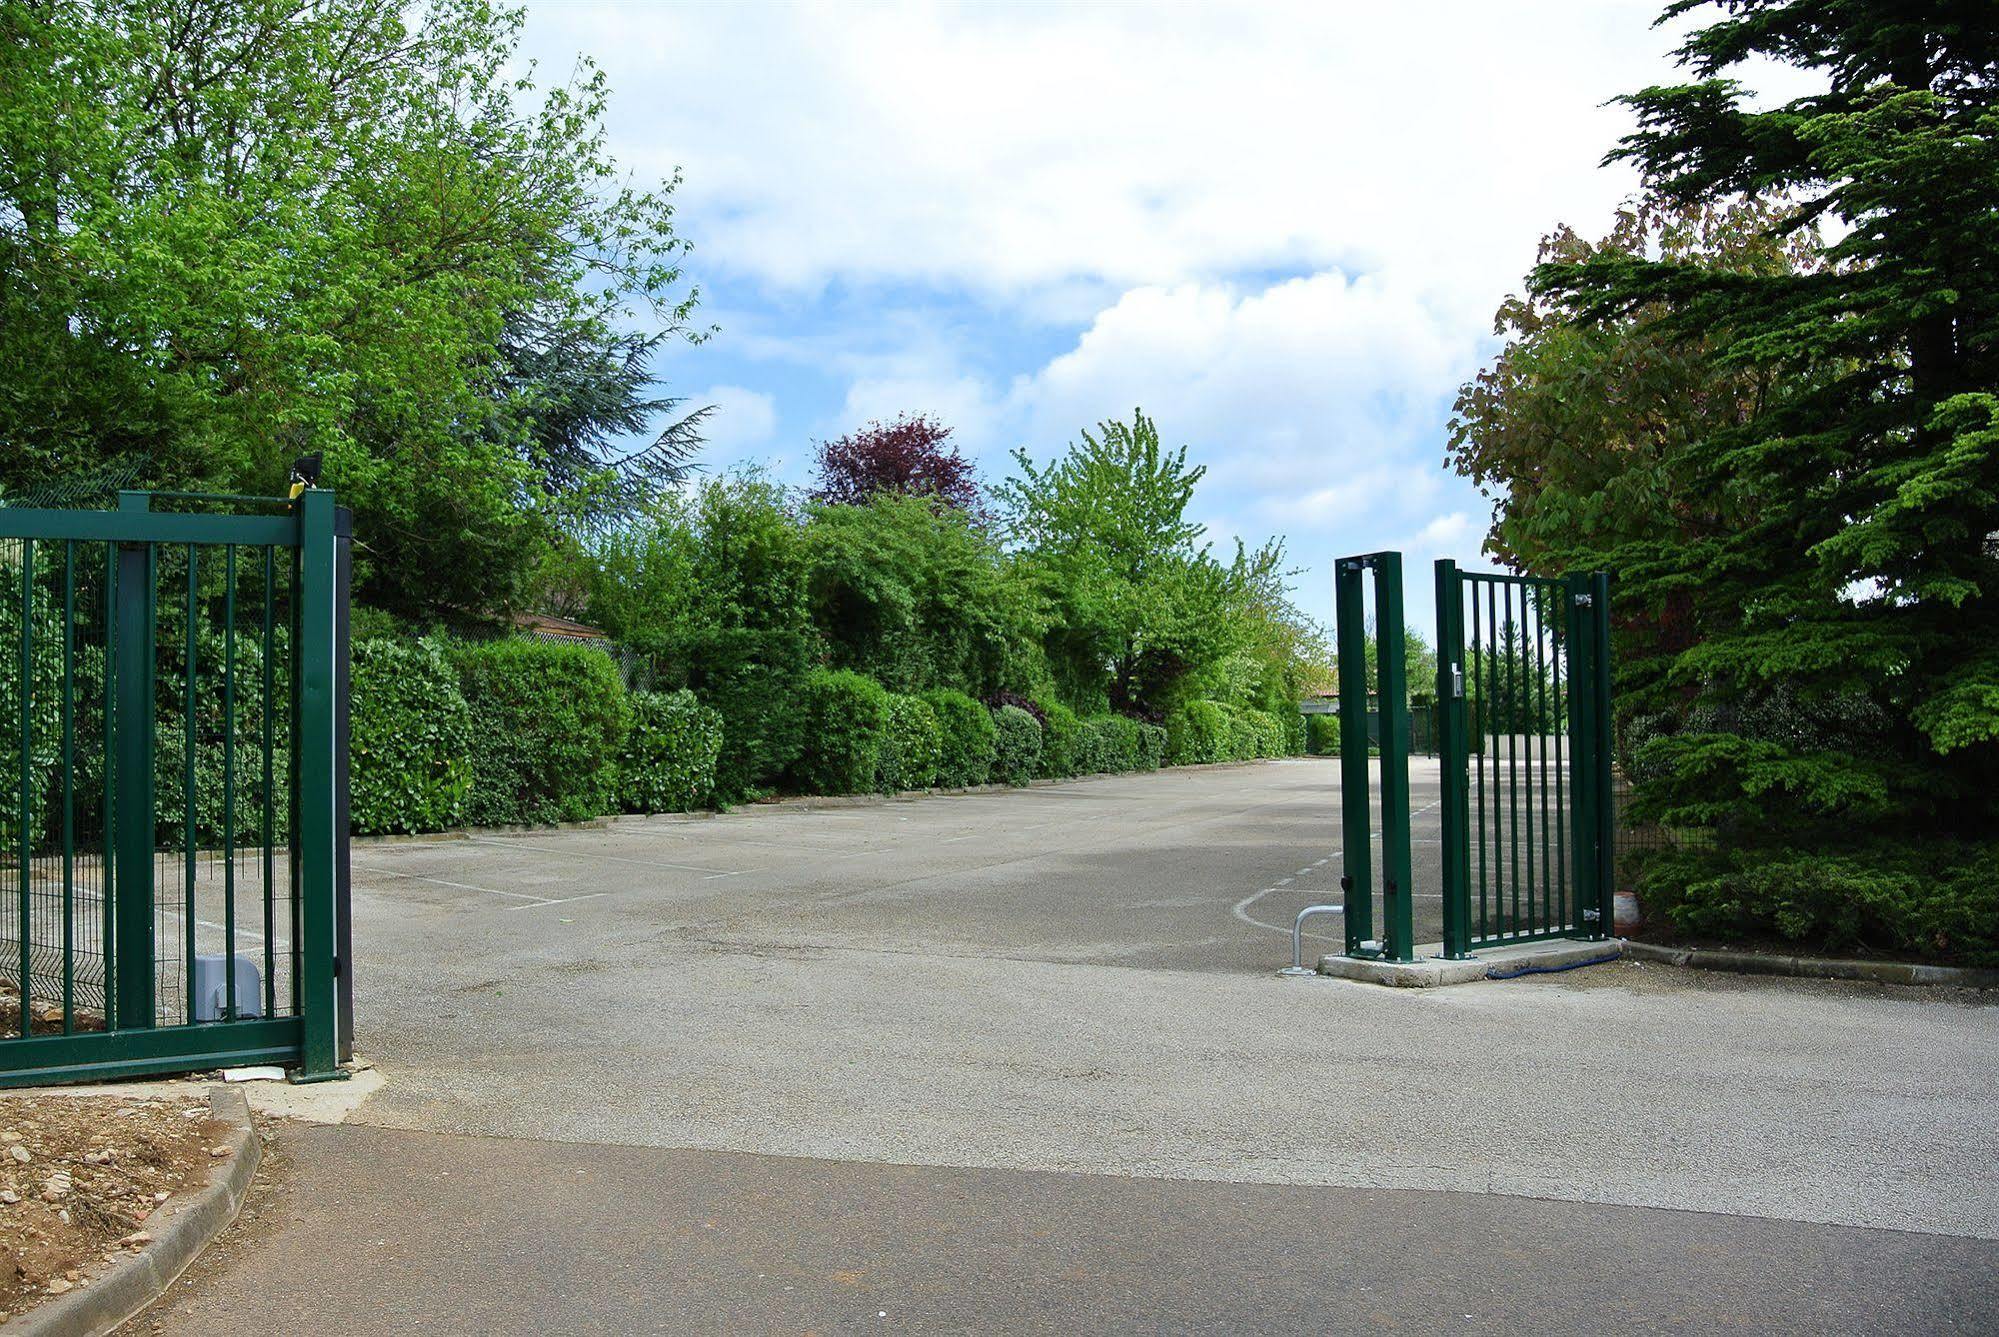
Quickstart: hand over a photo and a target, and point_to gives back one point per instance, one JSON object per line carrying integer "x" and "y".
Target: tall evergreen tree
{"x": 1839, "y": 692}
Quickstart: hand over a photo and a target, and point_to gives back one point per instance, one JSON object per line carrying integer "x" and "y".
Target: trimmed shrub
{"x": 1238, "y": 735}
{"x": 1016, "y": 746}
{"x": 1269, "y": 731}
{"x": 1294, "y": 733}
{"x": 911, "y": 748}
{"x": 1060, "y": 736}
{"x": 1151, "y": 746}
{"x": 1322, "y": 735}
{"x": 1196, "y": 733}
{"x": 969, "y": 744}
{"x": 846, "y": 717}
{"x": 667, "y": 763}
{"x": 1109, "y": 745}
{"x": 411, "y": 767}
{"x": 547, "y": 724}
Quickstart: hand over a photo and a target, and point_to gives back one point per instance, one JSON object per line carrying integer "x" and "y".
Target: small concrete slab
{"x": 1431, "y": 969}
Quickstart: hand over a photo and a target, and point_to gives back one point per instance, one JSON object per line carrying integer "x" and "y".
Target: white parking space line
{"x": 613, "y": 858}
{"x": 462, "y": 886}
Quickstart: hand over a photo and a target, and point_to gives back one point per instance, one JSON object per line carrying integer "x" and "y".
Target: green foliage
{"x": 1782, "y": 440}
{"x": 1294, "y": 732}
{"x": 1938, "y": 901}
{"x": 1111, "y": 744}
{"x": 912, "y": 748}
{"x": 667, "y": 763}
{"x": 548, "y": 722}
{"x": 1016, "y": 746}
{"x": 913, "y": 592}
{"x": 349, "y": 227}
{"x": 18, "y": 603}
{"x": 1268, "y": 733}
{"x": 969, "y": 743}
{"x": 846, "y": 718}
{"x": 1061, "y": 734}
{"x": 1151, "y": 753}
{"x": 411, "y": 744}
{"x": 1196, "y": 734}
{"x": 1322, "y": 735}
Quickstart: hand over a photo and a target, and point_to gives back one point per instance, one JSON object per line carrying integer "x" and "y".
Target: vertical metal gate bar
{"x": 133, "y": 787}
{"x": 1391, "y": 674}
{"x": 1452, "y": 755}
{"x": 1357, "y": 877}
{"x": 1474, "y": 665}
{"x": 188, "y": 780}
{"x": 1510, "y": 703}
{"x": 1606, "y": 844}
{"x": 293, "y": 707}
{"x": 1491, "y": 902}
{"x": 1532, "y": 923}
{"x": 1582, "y": 723}
{"x": 26, "y": 774}
{"x": 110, "y": 878}
{"x": 1560, "y": 726}
{"x": 229, "y": 782}
{"x": 270, "y": 793}
{"x": 1541, "y": 726}
{"x": 315, "y": 842}
{"x": 68, "y": 786}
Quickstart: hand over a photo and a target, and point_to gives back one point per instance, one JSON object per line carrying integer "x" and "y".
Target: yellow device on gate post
{"x": 305, "y": 473}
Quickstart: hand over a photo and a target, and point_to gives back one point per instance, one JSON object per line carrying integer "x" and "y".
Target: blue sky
{"x": 1281, "y": 229}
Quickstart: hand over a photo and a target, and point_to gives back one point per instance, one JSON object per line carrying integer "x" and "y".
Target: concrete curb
{"x": 1810, "y": 967}
{"x": 1431, "y": 971}
{"x": 180, "y": 1232}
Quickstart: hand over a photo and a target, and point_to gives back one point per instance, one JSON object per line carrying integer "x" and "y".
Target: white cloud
{"x": 743, "y": 421}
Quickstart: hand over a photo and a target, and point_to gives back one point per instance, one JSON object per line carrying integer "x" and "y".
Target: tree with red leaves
{"x": 911, "y": 456}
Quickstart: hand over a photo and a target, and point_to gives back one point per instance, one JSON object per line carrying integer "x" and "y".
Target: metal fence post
{"x": 1391, "y": 677}
{"x": 129, "y": 967}
{"x": 1357, "y": 877}
{"x": 316, "y": 839}
{"x": 1453, "y": 757}
{"x": 1582, "y": 743}
{"x": 1600, "y": 779}
{"x": 343, "y": 667}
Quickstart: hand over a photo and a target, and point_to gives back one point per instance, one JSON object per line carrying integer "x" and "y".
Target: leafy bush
{"x": 1196, "y": 733}
{"x": 547, "y": 725}
{"x": 1935, "y": 900}
{"x": 911, "y": 748}
{"x": 1269, "y": 732}
{"x": 411, "y": 767}
{"x": 1151, "y": 746}
{"x": 846, "y": 717}
{"x": 1110, "y": 745}
{"x": 969, "y": 745}
{"x": 1060, "y": 736}
{"x": 667, "y": 763}
{"x": 1322, "y": 735}
{"x": 1017, "y": 746}
{"x": 1294, "y": 733}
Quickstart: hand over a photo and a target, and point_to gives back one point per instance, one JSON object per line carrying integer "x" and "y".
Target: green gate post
{"x": 318, "y": 754}
{"x": 1583, "y": 743}
{"x": 131, "y": 960}
{"x": 1601, "y": 784}
{"x": 1391, "y": 674}
{"x": 1357, "y": 876}
{"x": 1453, "y": 760}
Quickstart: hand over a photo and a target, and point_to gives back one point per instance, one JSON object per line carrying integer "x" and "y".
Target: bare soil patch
{"x": 79, "y": 1175}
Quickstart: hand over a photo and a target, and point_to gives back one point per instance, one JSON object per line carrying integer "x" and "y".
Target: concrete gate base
{"x": 1431, "y": 969}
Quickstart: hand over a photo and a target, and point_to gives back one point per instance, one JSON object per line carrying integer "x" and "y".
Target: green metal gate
{"x": 172, "y": 830}
{"x": 1523, "y": 688}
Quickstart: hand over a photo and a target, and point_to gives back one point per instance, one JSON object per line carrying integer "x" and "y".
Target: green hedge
{"x": 667, "y": 763}
{"x": 969, "y": 745}
{"x": 1322, "y": 735}
{"x": 1109, "y": 745}
{"x": 1060, "y": 735}
{"x": 1151, "y": 746}
{"x": 846, "y": 718}
{"x": 411, "y": 767}
{"x": 1016, "y": 746}
{"x": 1196, "y": 733}
{"x": 1269, "y": 734}
{"x": 1294, "y": 733}
{"x": 911, "y": 748}
{"x": 547, "y": 725}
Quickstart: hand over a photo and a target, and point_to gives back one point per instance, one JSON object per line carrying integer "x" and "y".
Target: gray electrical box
{"x": 211, "y": 987}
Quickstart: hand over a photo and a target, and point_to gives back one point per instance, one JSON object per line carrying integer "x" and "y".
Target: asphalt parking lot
{"x": 755, "y": 1033}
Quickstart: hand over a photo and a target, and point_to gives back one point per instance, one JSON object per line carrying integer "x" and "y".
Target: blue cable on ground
{"x": 1549, "y": 970}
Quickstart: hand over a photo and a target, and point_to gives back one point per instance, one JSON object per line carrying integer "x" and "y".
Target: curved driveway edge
{"x": 1811, "y": 967}
{"x": 180, "y": 1232}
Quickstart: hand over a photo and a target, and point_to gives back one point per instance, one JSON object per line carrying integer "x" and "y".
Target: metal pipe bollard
{"x": 1297, "y": 967}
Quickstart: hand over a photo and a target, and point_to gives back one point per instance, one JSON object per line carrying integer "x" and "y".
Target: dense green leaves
{"x": 667, "y": 763}
{"x": 548, "y": 723}
{"x": 411, "y": 744}
{"x": 968, "y": 744}
{"x": 846, "y": 717}
{"x": 1016, "y": 746}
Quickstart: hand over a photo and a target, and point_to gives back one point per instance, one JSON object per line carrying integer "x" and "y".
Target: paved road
{"x": 938, "y": 1001}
